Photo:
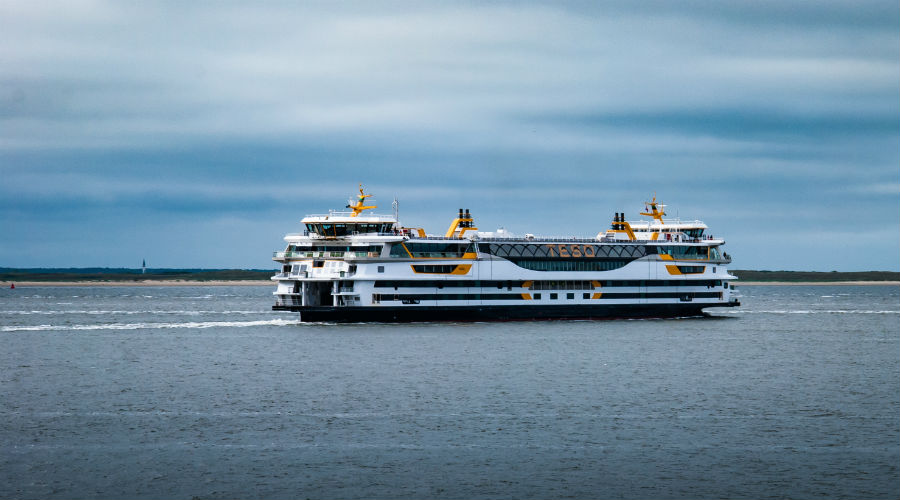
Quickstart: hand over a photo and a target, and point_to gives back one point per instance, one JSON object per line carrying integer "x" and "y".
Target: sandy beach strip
{"x": 8, "y": 284}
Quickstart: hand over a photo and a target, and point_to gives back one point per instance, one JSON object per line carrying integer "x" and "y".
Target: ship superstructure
{"x": 355, "y": 266}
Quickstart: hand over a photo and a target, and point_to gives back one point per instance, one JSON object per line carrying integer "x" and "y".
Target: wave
{"x": 103, "y": 312}
{"x": 153, "y": 326}
{"x": 808, "y": 311}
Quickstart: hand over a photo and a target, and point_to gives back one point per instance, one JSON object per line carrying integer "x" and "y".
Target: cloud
{"x": 740, "y": 123}
{"x": 173, "y": 111}
{"x": 156, "y": 74}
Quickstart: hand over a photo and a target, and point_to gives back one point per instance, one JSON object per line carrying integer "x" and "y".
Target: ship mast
{"x": 360, "y": 205}
{"x": 654, "y": 209}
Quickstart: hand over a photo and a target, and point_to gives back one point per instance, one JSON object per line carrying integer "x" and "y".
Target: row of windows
{"x": 690, "y": 233}
{"x": 689, "y": 252}
{"x": 684, "y": 296}
{"x": 541, "y": 285}
{"x": 683, "y": 252}
{"x": 653, "y": 283}
{"x": 554, "y": 296}
{"x": 415, "y": 298}
{"x": 446, "y": 283}
{"x": 431, "y": 250}
{"x": 335, "y": 248}
{"x": 691, "y": 269}
{"x": 570, "y": 265}
{"x": 435, "y": 269}
{"x": 663, "y": 295}
{"x": 344, "y": 229}
{"x": 562, "y": 285}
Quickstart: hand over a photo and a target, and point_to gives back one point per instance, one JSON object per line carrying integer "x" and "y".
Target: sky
{"x": 196, "y": 134}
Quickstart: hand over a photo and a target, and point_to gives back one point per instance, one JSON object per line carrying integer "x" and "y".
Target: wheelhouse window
{"x": 694, "y": 232}
{"x": 346, "y": 229}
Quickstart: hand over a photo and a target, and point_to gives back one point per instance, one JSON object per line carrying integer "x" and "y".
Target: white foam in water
{"x": 153, "y": 326}
{"x": 806, "y": 311}
{"x": 102, "y": 312}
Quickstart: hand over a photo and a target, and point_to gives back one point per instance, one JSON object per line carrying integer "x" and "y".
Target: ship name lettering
{"x": 574, "y": 251}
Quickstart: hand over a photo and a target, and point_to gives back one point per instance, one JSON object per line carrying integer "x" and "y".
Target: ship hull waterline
{"x": 400, "y": 314}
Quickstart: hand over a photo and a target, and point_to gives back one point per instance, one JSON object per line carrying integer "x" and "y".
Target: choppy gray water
{"x": 182, "y": 392}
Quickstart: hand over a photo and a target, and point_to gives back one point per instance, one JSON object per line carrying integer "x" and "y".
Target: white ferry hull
{"x": 346, "y": 268}
{"x": 403, "y": 314}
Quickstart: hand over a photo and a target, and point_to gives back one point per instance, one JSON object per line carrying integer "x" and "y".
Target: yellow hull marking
{"x": 673, "y": 270}
{"x": 462, "y": 269}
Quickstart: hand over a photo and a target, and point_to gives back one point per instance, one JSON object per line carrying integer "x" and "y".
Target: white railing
{"x": 363, "y": 216}
{"x": 315, "y": 255}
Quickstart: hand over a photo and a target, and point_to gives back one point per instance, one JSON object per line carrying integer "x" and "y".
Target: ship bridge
{"x": 340, "y": 224}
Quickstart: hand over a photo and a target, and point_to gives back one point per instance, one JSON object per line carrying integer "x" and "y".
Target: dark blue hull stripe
{"x": 495, "y": 312}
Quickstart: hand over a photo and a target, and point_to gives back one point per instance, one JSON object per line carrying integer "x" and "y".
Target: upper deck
{"x": 351, "y": 230}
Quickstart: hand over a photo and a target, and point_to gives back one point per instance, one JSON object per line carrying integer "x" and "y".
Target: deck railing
{"x": 323, "y": 255}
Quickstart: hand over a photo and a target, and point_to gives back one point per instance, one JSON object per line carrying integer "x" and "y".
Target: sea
{"x": 190, "y": 392}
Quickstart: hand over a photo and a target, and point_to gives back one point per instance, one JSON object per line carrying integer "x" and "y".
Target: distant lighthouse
{"x": 144, "y": 267}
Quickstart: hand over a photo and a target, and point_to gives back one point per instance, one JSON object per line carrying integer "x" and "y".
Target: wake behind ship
{"x": 354, "y": 266}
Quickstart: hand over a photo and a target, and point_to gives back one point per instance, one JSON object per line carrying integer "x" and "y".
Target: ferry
{"x": 356, "y": 266}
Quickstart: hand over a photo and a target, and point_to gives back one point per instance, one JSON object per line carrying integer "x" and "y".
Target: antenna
{"x": 396, "y": 206}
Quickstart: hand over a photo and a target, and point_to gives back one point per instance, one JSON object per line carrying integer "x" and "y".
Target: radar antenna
{"x": 654, "y": 209}
{"x": 360, "y": 204}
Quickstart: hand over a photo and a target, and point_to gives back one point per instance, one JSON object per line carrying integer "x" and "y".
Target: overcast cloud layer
{"x": 195, "y": 134}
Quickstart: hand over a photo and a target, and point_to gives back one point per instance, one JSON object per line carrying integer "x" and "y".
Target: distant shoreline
{"x": 101, "y": 276}
{"x": 24, "y": 284}
{"x": 7, "y": 284}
